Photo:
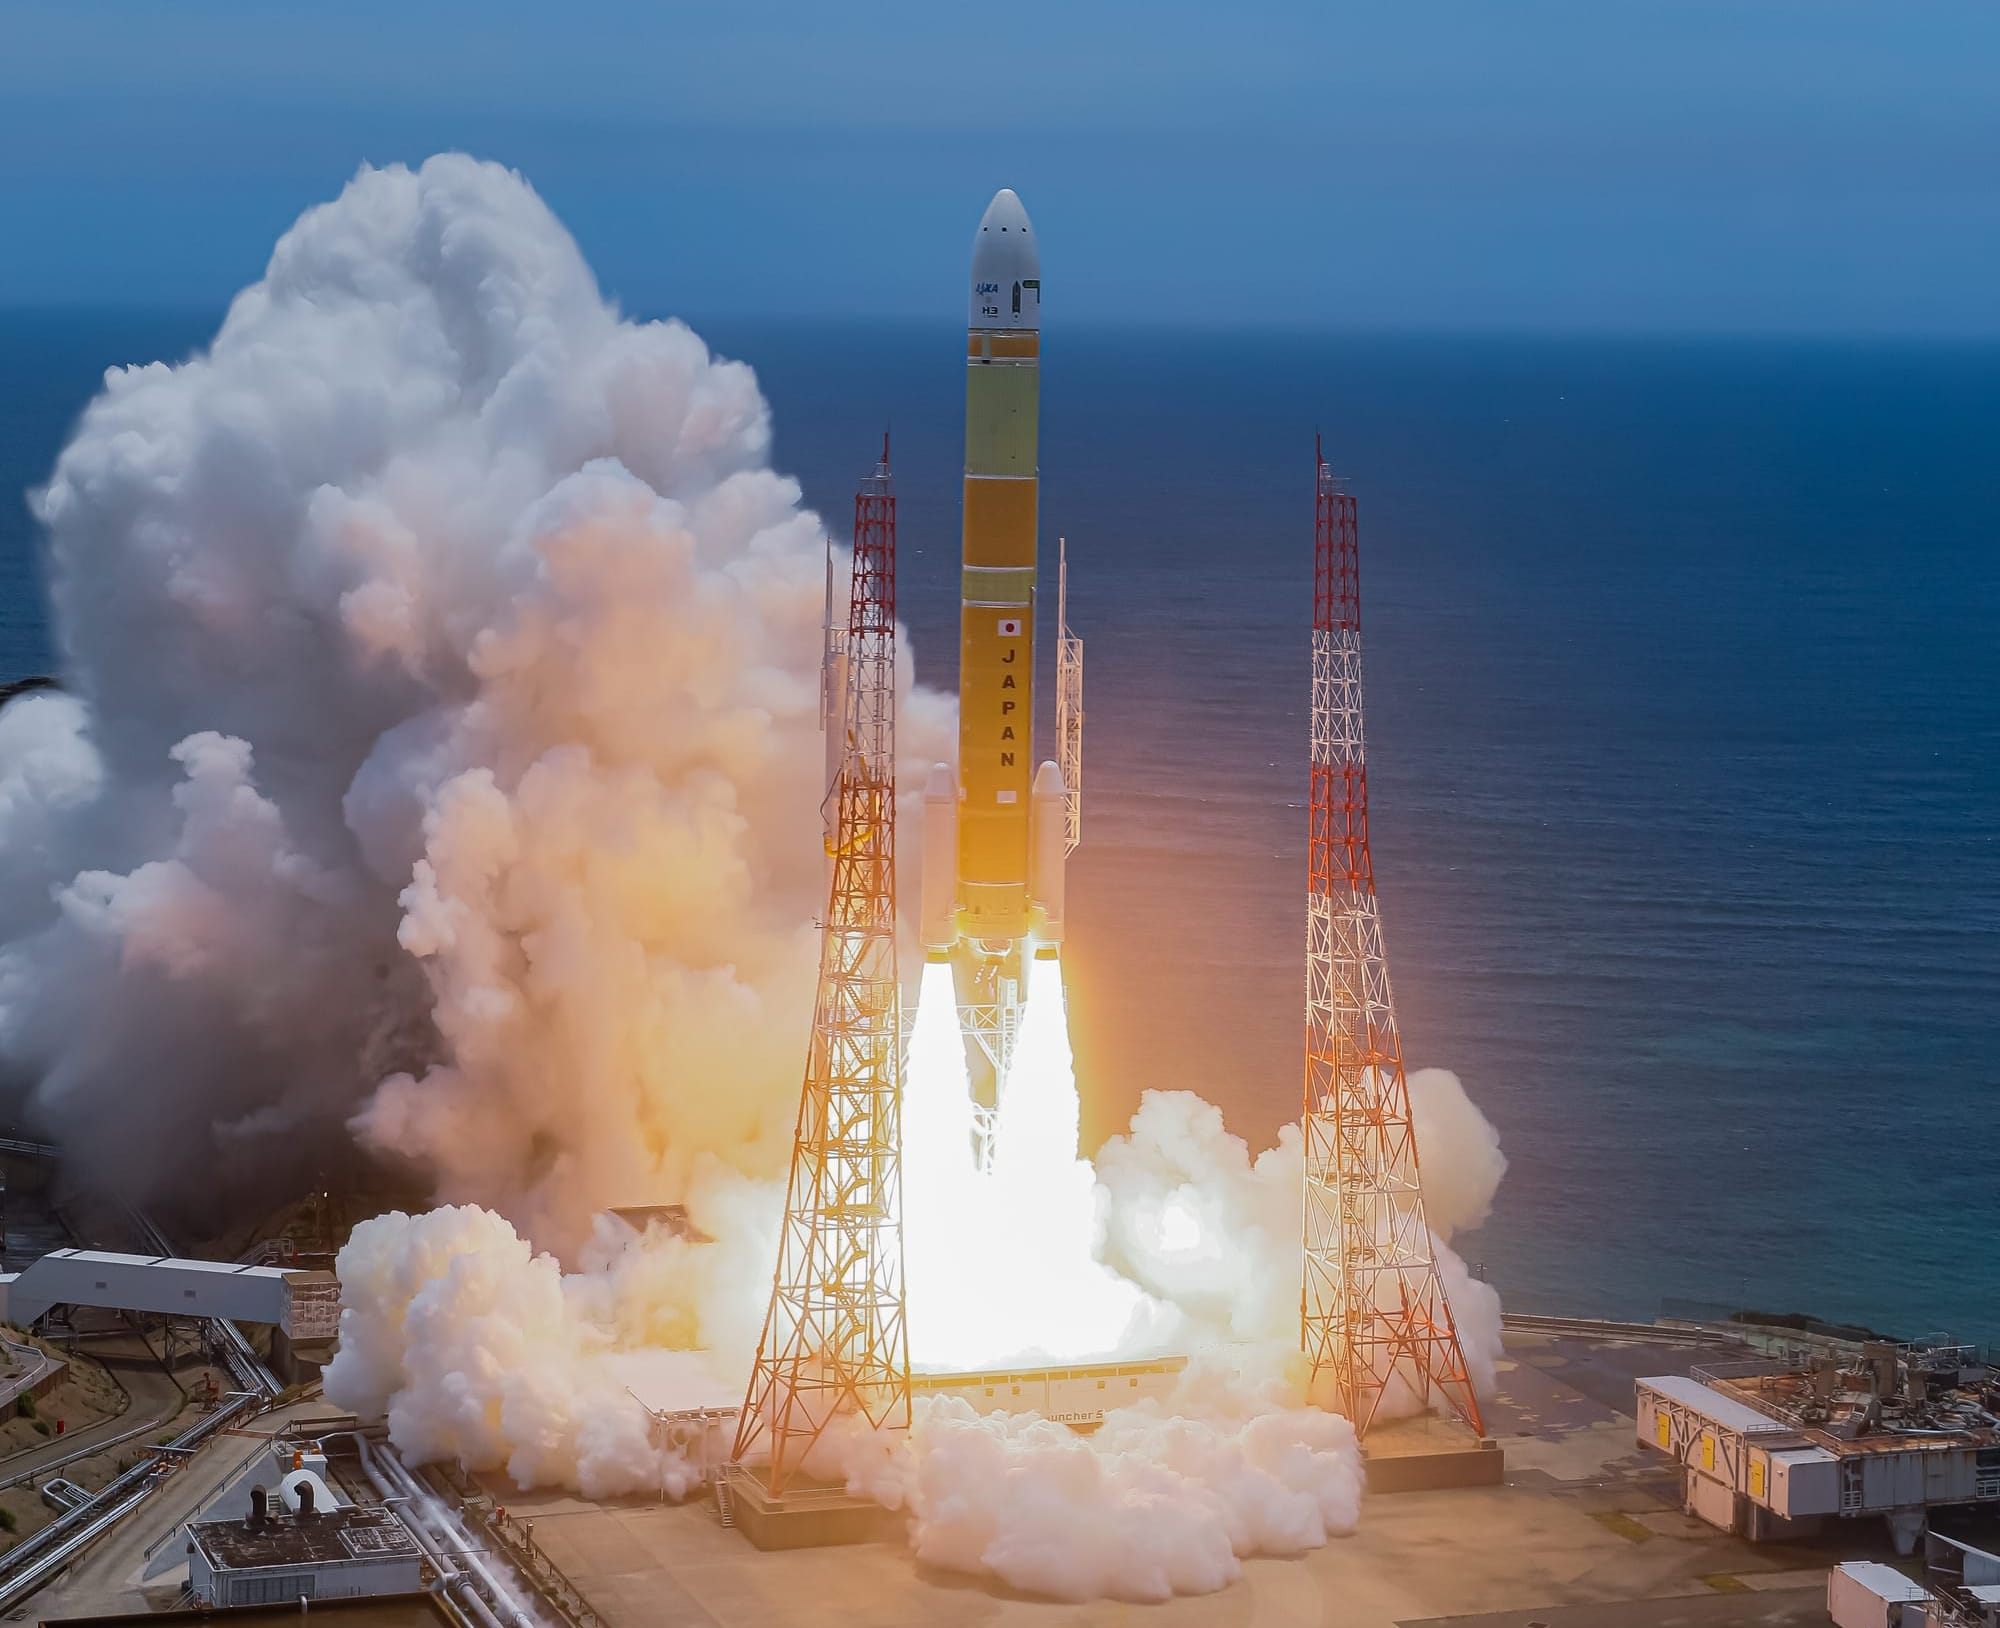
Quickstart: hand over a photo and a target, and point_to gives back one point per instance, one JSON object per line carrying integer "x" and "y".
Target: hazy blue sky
{"x": 1748, "y": 164}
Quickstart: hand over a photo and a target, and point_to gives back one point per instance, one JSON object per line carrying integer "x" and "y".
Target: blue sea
{"x": 1683, "y": 693}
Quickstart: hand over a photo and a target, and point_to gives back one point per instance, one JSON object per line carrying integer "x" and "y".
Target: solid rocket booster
{"x": 939, "y": 898}
{"x": 1049, "y": 857}
{"x": 996, "y": 649}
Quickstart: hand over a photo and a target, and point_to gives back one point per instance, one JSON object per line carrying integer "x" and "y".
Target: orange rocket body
{"x": 992, "y": 860}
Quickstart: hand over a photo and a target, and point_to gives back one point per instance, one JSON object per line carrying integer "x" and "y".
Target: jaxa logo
{"x": 985, "y": 288}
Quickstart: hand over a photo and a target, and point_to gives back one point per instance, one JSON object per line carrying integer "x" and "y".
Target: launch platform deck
{"x": 804, "y": 1517}
{"x": 1425, "y": 1455}
{"x": 1585, "y": 1530}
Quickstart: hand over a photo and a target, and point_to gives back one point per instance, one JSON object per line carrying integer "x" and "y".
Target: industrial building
{"x": 279, "y": 1556}
{"x": 1772, "y": 1448}
{"x": 1077, "y": 1396}
{"x": 303, "y": 1305}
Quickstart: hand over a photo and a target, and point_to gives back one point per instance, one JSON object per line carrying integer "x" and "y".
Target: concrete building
{"x": 273, "y": 1558}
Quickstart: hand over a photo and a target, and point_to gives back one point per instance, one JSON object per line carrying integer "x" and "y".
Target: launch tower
{"x": 1373, "y": 1308}
{"x": 834, "y": 1341}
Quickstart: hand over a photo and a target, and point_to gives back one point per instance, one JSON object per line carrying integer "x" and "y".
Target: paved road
{"x": 156, "y": 1398}
{"x": 1789, "y": 1608}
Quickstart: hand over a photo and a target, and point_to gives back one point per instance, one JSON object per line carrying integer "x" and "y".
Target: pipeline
{"x": 503, "y": 1595}
{"x": 52, "y": 1533}
{"x": 465, "y": 1578}
{"x": 456, "y": 1585}
{"x": 60, "y": 1556}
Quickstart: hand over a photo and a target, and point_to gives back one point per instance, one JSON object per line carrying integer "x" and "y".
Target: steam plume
{"x": 445, "y": 757}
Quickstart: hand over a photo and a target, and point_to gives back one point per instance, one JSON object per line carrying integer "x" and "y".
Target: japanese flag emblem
{"x": 1010, "y": 627}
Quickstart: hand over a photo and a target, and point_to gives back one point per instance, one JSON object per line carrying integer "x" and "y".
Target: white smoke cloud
{"x": 479, "y": 1350}
{"x": 1458, "y": 1152}
{"x": 444, "y": 749}
{"x": 1162, "y": 1499}
{"x": 1198, "y": 1223}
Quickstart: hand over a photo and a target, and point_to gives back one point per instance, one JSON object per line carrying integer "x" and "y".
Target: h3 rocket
{"x": 996, "y": 834}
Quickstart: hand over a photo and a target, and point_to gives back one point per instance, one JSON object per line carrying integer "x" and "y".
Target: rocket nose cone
{"x": 1005, "y": 213}
{"x": 1006, "y": 267}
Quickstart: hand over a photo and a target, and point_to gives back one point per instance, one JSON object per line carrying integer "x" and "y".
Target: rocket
{"x": 997, "y": 831}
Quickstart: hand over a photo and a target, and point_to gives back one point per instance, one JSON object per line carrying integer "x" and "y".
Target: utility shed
{"x": 338, "y": 1554}
{"x": 1867, "y": 1594}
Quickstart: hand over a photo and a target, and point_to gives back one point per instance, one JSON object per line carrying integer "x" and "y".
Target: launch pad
{"x": 803, "y": 1515}
{"x": 1077, "y": 1394}
{"x": 1428, "y": 1454}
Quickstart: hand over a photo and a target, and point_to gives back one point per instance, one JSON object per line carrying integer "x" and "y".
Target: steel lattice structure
{"x": 834, "y": 1341}
{"x": 1069, "y": 705}
{"x": 1373, "y": 1308}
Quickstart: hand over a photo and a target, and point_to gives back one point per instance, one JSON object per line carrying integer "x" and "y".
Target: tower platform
{"x": 802, "y": 1516}
{"x": 1427, "y": 1453}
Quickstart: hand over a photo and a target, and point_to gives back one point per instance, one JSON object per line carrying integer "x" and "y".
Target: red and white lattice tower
{"x": 834, "y": 1342}
{"x": 1373, "y": 1310}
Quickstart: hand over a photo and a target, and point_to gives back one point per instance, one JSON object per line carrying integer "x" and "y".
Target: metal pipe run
{"x": 59, "y": 1557}
{"x": 450, "y": 1547}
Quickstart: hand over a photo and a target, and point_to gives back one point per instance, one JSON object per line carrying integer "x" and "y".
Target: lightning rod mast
{"x": 1372, "y": 1308}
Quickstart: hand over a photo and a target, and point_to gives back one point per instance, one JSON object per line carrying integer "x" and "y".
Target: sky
{"x": 1721, "y": 166}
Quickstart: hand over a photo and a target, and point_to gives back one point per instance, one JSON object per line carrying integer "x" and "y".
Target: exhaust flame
{"x": 942, "y": 1192}
{"x": 1002, "y": 1264}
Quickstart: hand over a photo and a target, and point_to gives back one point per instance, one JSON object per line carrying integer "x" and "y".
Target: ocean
{"x": 1684, "y": 745}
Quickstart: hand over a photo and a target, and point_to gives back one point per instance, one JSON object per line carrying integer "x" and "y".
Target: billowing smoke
{"x": 1164, "y": 1498}
{"x": 444, "y": 754}
{"x": 439, "y": 770}
{"x": 480, "y": 1351}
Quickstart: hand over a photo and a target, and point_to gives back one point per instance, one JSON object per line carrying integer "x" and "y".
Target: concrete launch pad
{"x": 1585, "y": 1530}
{"x": 801, "y": 1517}
{"x": 1078, "y": 1395}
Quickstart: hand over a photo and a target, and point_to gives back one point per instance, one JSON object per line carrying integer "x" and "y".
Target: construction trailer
{"x": 1774, "y": 1448}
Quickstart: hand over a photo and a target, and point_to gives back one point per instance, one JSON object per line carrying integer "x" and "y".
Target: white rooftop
{"x": 1884, "y": 1582}
{"x": 176, "y": 1263}
{"x": 1716, "y": 1408}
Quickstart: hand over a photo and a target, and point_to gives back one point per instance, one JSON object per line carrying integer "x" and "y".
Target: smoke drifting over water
{"x": 440, "y": 771}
